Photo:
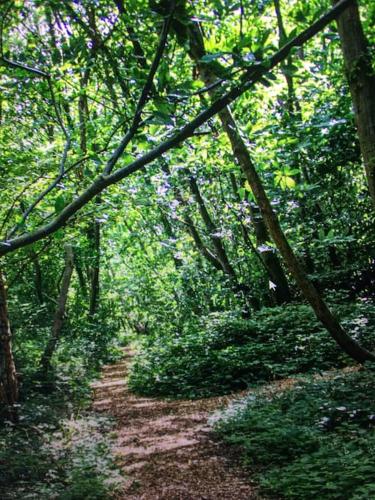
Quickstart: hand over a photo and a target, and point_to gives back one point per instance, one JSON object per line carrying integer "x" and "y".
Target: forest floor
{"x": 164, "y": 447}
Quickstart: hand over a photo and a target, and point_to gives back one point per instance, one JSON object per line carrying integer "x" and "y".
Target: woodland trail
{"x": 164, "y": 447}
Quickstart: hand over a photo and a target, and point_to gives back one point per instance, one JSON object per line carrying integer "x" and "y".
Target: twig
{"x": 144, "y": 94}
{"x": 47, "y": 190}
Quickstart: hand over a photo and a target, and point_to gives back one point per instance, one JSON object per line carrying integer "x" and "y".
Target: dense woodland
{"x": 195, "y": 179}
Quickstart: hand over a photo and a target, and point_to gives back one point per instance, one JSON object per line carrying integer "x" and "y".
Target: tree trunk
{"x": 311, "y": 294}
{"x": 361, "y": 79}
{"x": 242, "y": 155}
{"x": 8, "y": 376}
{"x": 212, "y": 230}
{"x": 323, "y": 313}
{"x": 59, "y": 312}
{"x": 95, "y": 267}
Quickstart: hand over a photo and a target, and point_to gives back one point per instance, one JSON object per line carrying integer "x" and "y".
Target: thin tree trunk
{"x": 94, "y": 229}
{"x": 95, "y": 268}
{"x": 59, "y": 312}
{"x": 38, "y": 280}
{"x": 171, "y": 235}
{"x": 109, "y": 82}
{"x": 83, "y": 113}
{"x": 246, "y": 236}
{"x": 212, "y": 230}
{"x": 201, "y": 247}
{"x": 217, "y": 258}
{"x": 80, "y": 275}
{"x": 361, "y": 79}
{"x": 8, "y": 376}
{"x": 206, "y": 252}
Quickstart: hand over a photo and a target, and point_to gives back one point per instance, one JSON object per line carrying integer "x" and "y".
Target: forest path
{"x": 164, "y": 446}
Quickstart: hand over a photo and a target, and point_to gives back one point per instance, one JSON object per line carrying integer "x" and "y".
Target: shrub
{"x": 225, "y": 352}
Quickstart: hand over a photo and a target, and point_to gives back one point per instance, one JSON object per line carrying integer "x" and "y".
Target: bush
{"x": 315, "y": 440}
{"x": 226, "y": 353}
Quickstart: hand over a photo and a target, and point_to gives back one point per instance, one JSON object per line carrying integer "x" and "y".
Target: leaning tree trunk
{"x": 309, "y": 291}
{"x": 8, "y": 376}
{"x": 211, "y": 229}
{"x": 361, "y": 79}
{"x": 321, "y": 310}
{"x": 241, "y": 290}
{"x": 271, "y": 261}
{"x": 59, "y": 312}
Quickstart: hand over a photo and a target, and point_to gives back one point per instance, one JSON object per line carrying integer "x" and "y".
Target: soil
{"x": 164, "y": 447}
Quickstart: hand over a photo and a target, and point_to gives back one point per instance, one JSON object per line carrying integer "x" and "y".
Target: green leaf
{"x": 207, "y": 58}
{"x": 60, "y": 203}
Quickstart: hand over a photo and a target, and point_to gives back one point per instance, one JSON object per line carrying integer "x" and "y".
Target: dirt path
{"x": 164, "y": 447}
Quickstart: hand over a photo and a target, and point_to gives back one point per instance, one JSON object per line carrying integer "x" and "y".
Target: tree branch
{"x": 43, "y": 74}
{"x": 44, "y": 193}
{"x": 102, "y": 182}
{"x": 144, "y": 95}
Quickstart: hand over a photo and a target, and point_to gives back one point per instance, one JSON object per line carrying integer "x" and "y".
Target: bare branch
{"x": 18, "y": 65}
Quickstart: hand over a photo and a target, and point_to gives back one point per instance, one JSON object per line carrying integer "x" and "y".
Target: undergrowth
{"x": 225, "y": 352}
{"x": 315, "y": 440}
{"x": 57, "y": 449}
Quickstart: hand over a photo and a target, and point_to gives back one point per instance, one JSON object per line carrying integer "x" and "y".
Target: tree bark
{"x": 59, "y": 312}
{"x": 8, "y": 376}
{"x": 361, "y": 79}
